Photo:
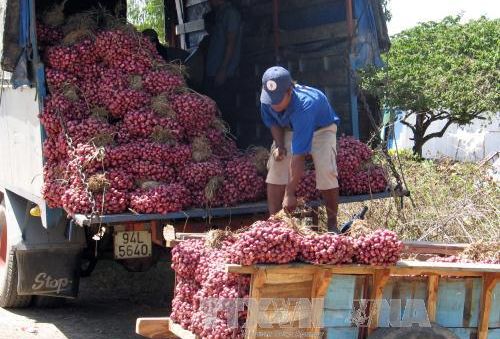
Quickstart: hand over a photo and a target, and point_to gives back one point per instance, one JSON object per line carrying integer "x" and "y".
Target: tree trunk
{"x": 418, "y": 134}
{"x": 417, "y": 148}
{"x": 421, "y": 125}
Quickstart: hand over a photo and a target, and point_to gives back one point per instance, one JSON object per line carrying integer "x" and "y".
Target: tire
{"x": 434, "y": 332}
{"x": 8, "y": 270}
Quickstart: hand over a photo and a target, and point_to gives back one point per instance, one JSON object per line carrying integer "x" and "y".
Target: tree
{"x": 147, "y": 14}
{"x": 440, "y": 71}
{"x": 385, "y": 7}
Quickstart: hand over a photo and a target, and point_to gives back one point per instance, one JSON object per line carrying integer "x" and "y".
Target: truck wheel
{"x": 8, "y": 269}
{"x": 434, "y": 332}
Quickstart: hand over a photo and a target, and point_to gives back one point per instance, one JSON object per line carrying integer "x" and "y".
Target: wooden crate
{"x": 431, "y": 281}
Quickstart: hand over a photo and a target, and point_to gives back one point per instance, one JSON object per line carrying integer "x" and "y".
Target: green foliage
{"x": 147, "y": 14}
{"x": 443, "y": 70}
{"x": 404, "y": 154}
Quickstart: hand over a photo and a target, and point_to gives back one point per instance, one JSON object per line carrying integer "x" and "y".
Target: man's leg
{"x": 275, "y": 195}
{"x": 324, "y": 153}
{"x": 331, "y": 199}
{"x": 277, "y": 177}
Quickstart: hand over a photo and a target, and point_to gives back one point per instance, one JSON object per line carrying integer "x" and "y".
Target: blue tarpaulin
{"x": 366, "y": 49}
{"x": 370, "y": 31}
{"x": 24, "y": 23}
{"x": 20, "y": 76}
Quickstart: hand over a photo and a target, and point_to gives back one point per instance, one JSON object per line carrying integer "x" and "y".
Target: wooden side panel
{"x": 494, "y": 333}
{"x": 495, "y": 309}
{"x": 458, "y": 302}
{"x": 292, "y": 290}
{"x": 475, "y": 302}
{"x": 432, "y": 293}
{"x": 450, "y": 304}
{"x": 488, "y": 285}
{"x": 277, "y": 332}
{"x": 342, "y": 291}
{"x": 344, "y": 333}
{"x": 282, "y": 278}
{"x": 402, "y": 288}
{"x": 288, "y": 317}
{"x": 337, "y": 318}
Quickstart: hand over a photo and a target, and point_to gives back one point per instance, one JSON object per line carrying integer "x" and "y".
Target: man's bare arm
{"x": 296, "y": 171}
{"x": 278, "y": 134}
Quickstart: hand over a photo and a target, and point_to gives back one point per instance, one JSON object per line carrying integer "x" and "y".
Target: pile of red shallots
{"x": 356, "y": 172}
{"x": 482, "y": 252}
{"x": 124, "y": 131}
{"x": 380, "y": 247}
{"x": 206, "y": 296}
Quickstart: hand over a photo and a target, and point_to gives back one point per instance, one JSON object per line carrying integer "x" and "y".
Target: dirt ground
{"x": 107, "y": 307}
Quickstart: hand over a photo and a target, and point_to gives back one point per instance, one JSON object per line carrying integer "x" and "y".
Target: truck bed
{"x": 218, "y": 212}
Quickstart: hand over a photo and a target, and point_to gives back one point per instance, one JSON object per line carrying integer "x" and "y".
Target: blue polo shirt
{"x": 308, "y": 111}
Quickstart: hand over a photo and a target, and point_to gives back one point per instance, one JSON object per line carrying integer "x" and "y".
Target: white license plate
{"x": 133, "y": 244}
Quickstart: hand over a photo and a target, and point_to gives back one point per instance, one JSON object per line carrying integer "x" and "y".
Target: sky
{"x": 408, "y": 13}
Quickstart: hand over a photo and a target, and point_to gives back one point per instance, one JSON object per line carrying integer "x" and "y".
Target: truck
{"x": 44, "y": 251}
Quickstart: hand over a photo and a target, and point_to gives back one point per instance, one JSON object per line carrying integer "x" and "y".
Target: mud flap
{"x": 50, "y": 272}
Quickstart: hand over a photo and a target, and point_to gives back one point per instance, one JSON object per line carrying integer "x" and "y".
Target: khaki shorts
{"x": 324, "y": 154}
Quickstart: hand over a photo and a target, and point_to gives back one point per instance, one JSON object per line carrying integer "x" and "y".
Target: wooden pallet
{"x": 312, "y": 281}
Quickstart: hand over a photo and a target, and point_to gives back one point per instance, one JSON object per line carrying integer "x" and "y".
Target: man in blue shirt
{"x": 302, "y": 122}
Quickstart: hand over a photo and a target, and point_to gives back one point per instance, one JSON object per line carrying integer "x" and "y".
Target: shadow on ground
{"x": 109, "y": 303}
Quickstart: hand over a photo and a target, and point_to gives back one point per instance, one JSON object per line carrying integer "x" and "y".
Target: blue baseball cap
{"x": 275, "y": 82}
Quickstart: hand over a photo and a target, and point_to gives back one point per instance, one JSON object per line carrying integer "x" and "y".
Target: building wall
{"x": 472, "y": 142}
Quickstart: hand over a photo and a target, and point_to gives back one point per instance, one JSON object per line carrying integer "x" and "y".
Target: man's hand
{"x": 279, "y": 153}
{"x": 290, "y": 203}
{"x": 220, "y": 77}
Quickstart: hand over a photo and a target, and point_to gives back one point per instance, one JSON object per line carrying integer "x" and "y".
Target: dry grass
{"x": 98, "y": 183}
{"x": 260, "y": 157}
{"x": 77, "y": 35}
{"x": 161, "y": 105}
{"x": 454, "y": 202}
{"x": 201, "y": 150}
{"x": 213, "y": 186}
{"x": 163, "y": 136}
